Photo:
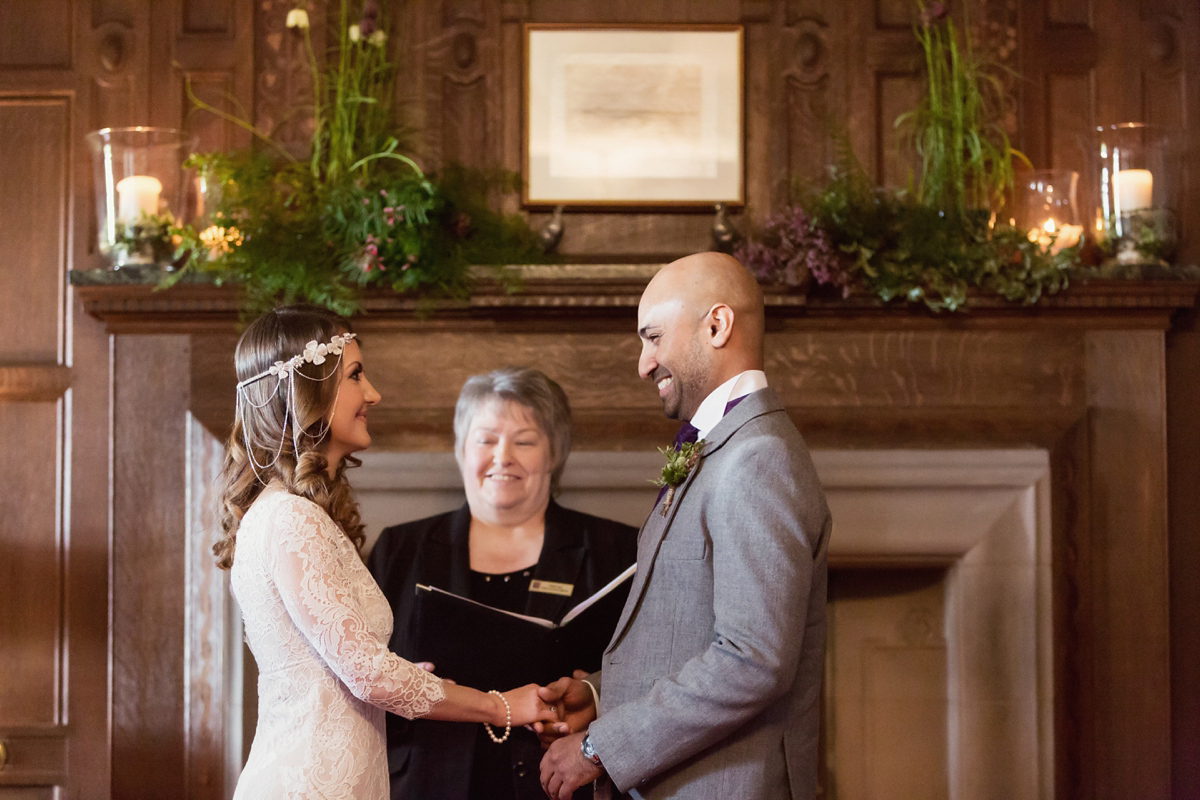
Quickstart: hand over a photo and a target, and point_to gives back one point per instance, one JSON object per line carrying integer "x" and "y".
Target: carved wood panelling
{"x": 465, "y": 120}
{"x": 1069, "y": 120}
{"x": 31, "y": 603}
{"x": 1125, "y": 388}
{"x": 36, "y": 132}
{"x": 207, "y": 16}
{"x": 894, "y": 94}
{"x": 892, "y": 13}
{"x": 213, "y": 49}
{"x": 87, "y": 649}
{"x": 824, "y": 376}
{"x": 36, "y": 34}
{"x": 212, "y": 133}
{"x": 113, "y": 105}
{"x": 807, "y": 84}
{"x": 1067, "y": 12}
{"x": 881, "y": 58}
{"x": 210, "y": 652}
{"x": 148, "y": 607}
{"x": 1183, "y": 507}
{"x": 33, "y": 383}
{"x": 282, "y": 78}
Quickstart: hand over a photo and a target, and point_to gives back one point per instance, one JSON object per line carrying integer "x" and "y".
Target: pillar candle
{"x": 1134, "y": 189}
{"x": 138, "y": 196}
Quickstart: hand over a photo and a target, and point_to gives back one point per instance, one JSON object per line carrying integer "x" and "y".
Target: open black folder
{"x": 487, "y": 648}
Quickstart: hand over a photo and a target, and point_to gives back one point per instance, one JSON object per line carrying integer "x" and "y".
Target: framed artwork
{"x": 635, "y": 117}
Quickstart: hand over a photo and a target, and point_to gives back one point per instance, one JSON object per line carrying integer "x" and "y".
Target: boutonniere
{"x": 680, "y": 462}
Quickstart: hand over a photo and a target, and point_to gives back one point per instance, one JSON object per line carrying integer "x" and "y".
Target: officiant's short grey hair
{"x": 531, "y": 388}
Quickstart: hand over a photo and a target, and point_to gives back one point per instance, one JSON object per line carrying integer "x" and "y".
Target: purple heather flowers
{"x": 791, "y": 247}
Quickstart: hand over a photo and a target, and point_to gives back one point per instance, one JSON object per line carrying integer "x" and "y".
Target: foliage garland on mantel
{"x": 355, "y": 211}
{"x": 939, "y": 239}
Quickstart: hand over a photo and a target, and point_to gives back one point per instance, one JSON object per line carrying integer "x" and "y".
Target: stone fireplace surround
{"x": 981, "y": 517}
{"x": 1072, "y": 389}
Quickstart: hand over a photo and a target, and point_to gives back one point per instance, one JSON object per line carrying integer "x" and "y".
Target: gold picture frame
{"x": 633, "y": 117}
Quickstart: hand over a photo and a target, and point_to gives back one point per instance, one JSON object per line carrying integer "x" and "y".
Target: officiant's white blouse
{"x": 318, "y": 626}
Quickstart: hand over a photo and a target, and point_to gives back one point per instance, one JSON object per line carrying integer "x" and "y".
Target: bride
{"x": 315, "y": 620}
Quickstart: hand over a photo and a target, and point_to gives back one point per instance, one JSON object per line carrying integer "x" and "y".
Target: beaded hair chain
{"x": 314, "y": 353}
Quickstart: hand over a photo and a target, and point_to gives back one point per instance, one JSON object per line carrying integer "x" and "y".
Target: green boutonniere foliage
{"x": 680, "y": 462}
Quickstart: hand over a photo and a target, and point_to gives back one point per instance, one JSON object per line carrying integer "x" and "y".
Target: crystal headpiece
{"x": 314, "y": 353}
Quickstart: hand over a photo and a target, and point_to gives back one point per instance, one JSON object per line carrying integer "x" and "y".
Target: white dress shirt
{"x": 712, "y": 409}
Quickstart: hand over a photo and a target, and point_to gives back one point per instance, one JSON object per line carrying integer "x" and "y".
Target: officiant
{"x": 510, "y": 546}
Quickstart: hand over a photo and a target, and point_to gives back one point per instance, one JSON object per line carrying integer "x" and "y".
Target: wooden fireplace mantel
{"x": 604, "y": 296}
{"x": 1079, "y": 374}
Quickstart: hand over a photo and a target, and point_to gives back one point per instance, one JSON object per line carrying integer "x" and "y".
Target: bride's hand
{"x": 527, "y": 707}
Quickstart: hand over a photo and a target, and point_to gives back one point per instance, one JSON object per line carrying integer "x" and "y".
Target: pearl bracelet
{"x": 507, "y": 720}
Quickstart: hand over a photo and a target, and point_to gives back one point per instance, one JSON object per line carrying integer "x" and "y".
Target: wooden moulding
{"x": 33, "y": 383}
{"x": 605, "y": 297}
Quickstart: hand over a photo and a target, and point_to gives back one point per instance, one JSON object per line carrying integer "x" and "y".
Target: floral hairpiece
{"x": 314, "y": 353}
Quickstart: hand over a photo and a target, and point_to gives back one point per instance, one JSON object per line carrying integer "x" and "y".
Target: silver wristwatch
{"x": 589, "y": 752}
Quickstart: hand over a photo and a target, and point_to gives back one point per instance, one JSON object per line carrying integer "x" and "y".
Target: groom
{"x": 711, "y": 683}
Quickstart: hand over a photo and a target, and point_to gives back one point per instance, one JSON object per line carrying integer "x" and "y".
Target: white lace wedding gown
{"x": 318, "y": 626}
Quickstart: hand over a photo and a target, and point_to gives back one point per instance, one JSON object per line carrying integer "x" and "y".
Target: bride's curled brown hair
{"x": 267, "y": 428}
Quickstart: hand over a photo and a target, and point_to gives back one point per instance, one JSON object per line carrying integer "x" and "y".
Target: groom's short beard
{"x": 688, "y": 379}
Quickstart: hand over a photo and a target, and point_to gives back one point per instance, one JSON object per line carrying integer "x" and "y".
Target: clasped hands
{"x": 561, "y": 713}
{"x": 564, "y": 769}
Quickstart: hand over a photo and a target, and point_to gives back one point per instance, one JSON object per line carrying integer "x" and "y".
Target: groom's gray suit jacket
{"x": 711, "y": 684}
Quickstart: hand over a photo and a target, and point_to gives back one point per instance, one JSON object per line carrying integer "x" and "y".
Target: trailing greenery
{"x": 353, "y": 212}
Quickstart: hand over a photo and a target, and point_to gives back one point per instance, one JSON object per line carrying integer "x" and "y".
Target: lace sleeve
{"x": 314, "y": 582}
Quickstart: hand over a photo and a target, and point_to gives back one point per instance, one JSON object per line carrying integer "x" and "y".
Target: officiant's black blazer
{"x": 432, "y": 760}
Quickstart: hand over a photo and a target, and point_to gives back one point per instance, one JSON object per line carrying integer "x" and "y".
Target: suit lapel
{"x": 563, "y": 550}
{"x": 655, "y": 528}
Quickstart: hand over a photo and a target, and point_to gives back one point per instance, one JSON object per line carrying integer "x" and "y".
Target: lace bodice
{"x": 318, "y": 627}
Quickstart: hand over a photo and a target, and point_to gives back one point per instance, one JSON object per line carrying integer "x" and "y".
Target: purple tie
{"x": 690, "y": 433}
{"x": 687, "y": 433}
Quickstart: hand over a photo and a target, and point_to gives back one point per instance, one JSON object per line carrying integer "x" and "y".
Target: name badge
{"x": 550, "y": 587}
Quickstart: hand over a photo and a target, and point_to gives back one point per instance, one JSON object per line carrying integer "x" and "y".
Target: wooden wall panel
{"x": 89, "y": 534}
{"x": 35, "y": 33}
{"x": 282, "y": 83}
{"x": 893, "y": 13}
{"x": 468, "y": 137}
{"x": 148, "y": 609}
{"x": 212, "y": 133}
{"x": 1126, "y": 373}
{"x": 114, "y": 104}
{"x": 1183, "y": 470}
{"x": 213, "y": 656}
{"x": 804, "y": 62}
{"x": 1067, "y": 12}
{"x": 207, "y": 16}
{"x": 31, "y": 793}
{"x": 36, "y": 134}
{"x": 31, "y": 572}
{"x": 894, "y": 95}
{"x": 210, "y": 43}
{"x": 1070, "y": 115}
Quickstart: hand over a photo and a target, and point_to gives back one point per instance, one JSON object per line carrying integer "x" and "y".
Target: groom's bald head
{"x": 701, "y": 322}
